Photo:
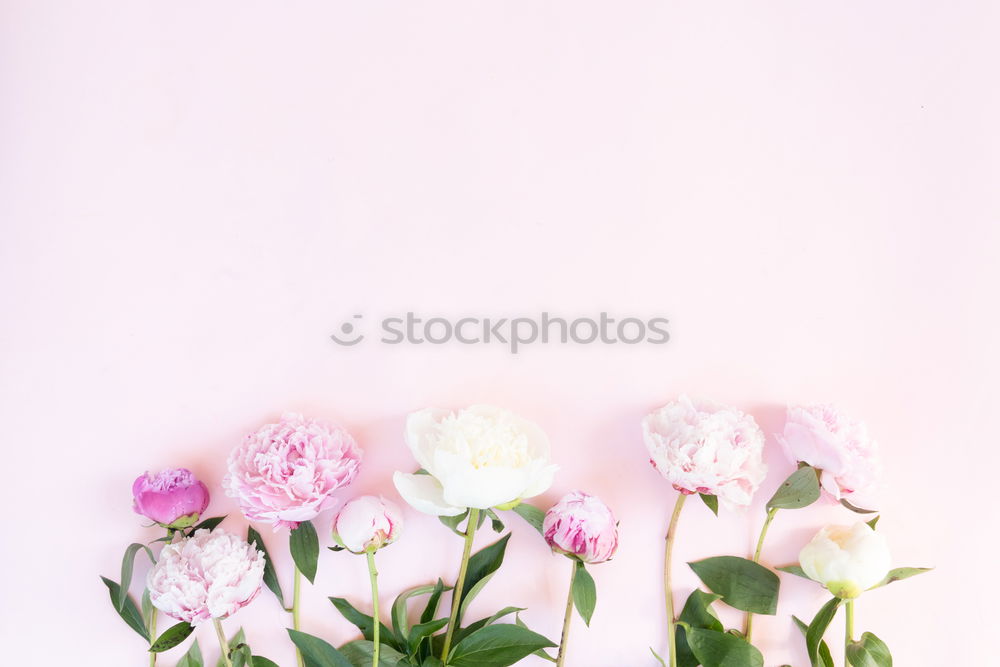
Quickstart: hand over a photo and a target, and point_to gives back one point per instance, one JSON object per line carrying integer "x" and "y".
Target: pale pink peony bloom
{"x": 286, "y": 473}
{"x": 830, "y": 441}
{"x": 172, "y": 498}
{"x": 211, "y": 574}
{"x": 702, "y": 447}
{"x": 367, "y": 522}
{"x": 581, "y": 525}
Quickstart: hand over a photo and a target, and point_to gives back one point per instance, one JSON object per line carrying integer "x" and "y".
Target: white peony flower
{"x": 367, "y": 522}
{"x": 847, "y": 560}
{"x": 211, "y": 574}
{"x": 480, "y": 457}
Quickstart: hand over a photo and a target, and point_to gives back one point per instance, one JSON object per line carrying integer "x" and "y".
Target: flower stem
{"x": 376, "y": 626}
{"x": 748, "y": 624}
{"x": 222, "y": 642}
{"x": 564, "y": 640}
{"x": 152, "y": 633}
{"x": 848, "y": 629}
{"x": 456, "y": 596}
{"x": 667, "y": 561}
{"x": 296, "y": 592}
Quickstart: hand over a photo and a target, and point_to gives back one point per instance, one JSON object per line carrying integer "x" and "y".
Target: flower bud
{"x": 581, "y": 525}
{"x": 172, "y": 498}
{"x": 367, "y": 523}
{"x": 847, "y": 560}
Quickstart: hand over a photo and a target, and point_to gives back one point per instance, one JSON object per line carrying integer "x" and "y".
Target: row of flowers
{"x": 475, "y": 465}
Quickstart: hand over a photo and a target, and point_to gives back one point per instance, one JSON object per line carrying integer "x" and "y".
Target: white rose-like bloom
{"x": 847, "y": 560}
{"x": 211, "y": 574}
{"x": 367, "y": 522}
{"x": 703, "y": 447}
{"x": 480, "y": 457}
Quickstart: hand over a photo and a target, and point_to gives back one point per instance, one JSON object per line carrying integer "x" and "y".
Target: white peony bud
{"x": 367, "y": 523}
{"x": 847, "y": 560}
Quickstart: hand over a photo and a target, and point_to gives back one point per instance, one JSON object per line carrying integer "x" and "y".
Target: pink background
{"x": 194, "y": 195}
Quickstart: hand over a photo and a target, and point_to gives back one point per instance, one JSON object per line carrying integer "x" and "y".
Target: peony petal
{"x": 421, "y": 432}
{"x": 425, "y": 494}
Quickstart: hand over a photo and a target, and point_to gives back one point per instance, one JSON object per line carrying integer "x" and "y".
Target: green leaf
{"x": 481, "y": 566}
{"x": 399, "y": 616}
{"x": 240, "y": 656}
{"x": 712, "y": 502}
{"x": 261, "y": 661}
{"x": 743, "y": 584}
{"x": 421, "y": 631}
{"x": 901, "y": 573}
{"x": 816, "y": 630}
{"x": 171, "y": 637}
{"x": 472, "y": 627}
{"x": 209, "y": 524}
{"x": 270, "y": 574}
{"x": 870, "y": 651}
{"x": 431, "y": 661}
{"x": 495, "y": 521}
{"x": 193, "y": 657}
{"x": 233, "y": 642}
{"x": 713, "y": 648}
{"x": 531, "y": 514}
{"x": 697, "y": 613}
{"x": 359, "y": 653}
{"x": 497, "y": 646}
{"x": 825, "y": 657}
{"x": 584, "y": 593}
{"x": 364, "y": 622}
{"x": 453, "y": 521}
{"x": 432, "y": 602}
{"x": 147, "y": 610}
{"x": 128, "y": 562}
{"x": 873, "y": 522}
{"x": 801, "y": 489}
{"x": 316, "y": 652}
{"x": 858, "y": 510}
{"x": 794, "y": 569}
{"x": 304, "y": 544}
{"x": 129, "y": 612}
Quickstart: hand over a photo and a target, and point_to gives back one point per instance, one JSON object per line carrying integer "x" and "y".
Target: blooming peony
{"x": 172, "y": 498}
{"x": 367, "y": 522}
{"x": 838, "y": 446}
{"x": 581, "y": 525}
{"x": 286, "y": 473}
{"x": 480, "y": 457}
{"x": 701, "y": 447}
{"x": 211, "y": 574}
{"x": 847, "y": 560}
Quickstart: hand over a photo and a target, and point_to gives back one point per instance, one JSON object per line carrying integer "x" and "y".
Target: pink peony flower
{"x": 702, "y": 447}
{"x": 840, "y": 447}
{"x": 211, "y": 574}
{"x": 172, "y": 498}
{"x": 286, "y": 473}
{"x": 367, "y": 522}
{"x": 581, "y": 525}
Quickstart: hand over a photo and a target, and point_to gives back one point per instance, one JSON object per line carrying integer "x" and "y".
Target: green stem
{"x": 296, "y": 593}
{"x": 564, "y": 640}
{"x": 222, "y": 642}
{"x": 748, "y": 624}
{"x": 667, "y": 561}
{"x": 152, "y": 633}
{"x": 456, "y": 595}
{"x": 376, "y": 626}
{"x": 848, "y": 629}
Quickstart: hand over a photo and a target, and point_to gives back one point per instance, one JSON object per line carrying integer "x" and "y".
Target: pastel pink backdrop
{"x": 193, "y": 196}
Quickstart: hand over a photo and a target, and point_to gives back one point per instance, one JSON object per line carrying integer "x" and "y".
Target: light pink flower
{"x": 830, "y": 441}
{"x": 702, "y": 447}
{"x": 172, "y": 498}
{"x": 211, "y": 574}
{"x": 367, "y": 522}
{"x": 583, "y": 526}
{"x": 286, "y": 473}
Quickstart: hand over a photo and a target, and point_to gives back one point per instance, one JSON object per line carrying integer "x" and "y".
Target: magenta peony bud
{"x": 210, "y": 574}
{"x": 172, "y": 498}
{"x": 367, "y": 523}
{"x": 581, "y": 525}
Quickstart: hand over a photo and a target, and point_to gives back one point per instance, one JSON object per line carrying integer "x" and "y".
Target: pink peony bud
{"x": 367, "y": 523}
{"x": 172, "y": 498}
{"x": 211, "y": 574}
{"x": 286, "y": 473}
{"x": 702, "y": 447}
{"x": 581, "y": 525}
{"x": 840, "y": 447}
